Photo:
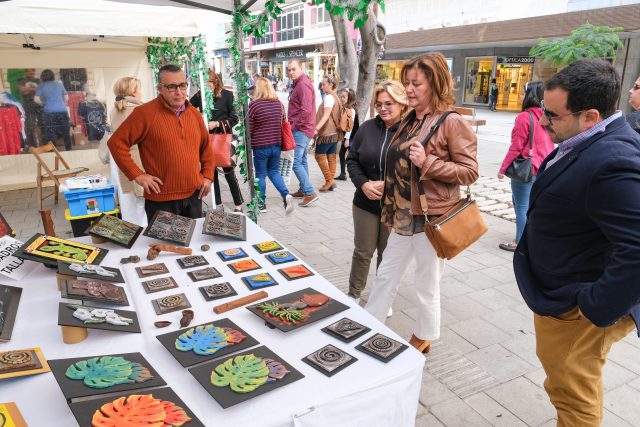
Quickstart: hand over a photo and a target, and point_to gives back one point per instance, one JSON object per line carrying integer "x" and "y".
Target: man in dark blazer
{"x": 578, "y": 262}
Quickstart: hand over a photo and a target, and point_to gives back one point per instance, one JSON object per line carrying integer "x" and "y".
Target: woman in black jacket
{"x": 222, "y": 119}
{"x": 366, "y": 162}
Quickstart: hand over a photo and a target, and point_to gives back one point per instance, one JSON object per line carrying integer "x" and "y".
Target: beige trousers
{"x": 573, "y": 351}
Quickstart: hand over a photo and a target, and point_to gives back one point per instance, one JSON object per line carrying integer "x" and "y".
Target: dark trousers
{"x": 191, "y": 207}
{"x": 57, "y": 122}
{"x": 234, "y": 187}
{"x": 342, "y": 154}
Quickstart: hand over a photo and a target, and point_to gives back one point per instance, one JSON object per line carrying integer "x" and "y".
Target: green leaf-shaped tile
{"x": 107, "y": 371}
{"x": 243, "y": 373}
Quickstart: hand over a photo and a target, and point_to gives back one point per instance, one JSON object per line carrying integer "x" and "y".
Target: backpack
{"x": 344, "y": 121}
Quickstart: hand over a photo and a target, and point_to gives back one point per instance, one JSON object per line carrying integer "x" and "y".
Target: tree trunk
{"x": 347, "y": 59}
{"x": 372, "y": 34}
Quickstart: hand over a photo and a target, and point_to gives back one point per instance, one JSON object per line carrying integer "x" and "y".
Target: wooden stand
{"x": 97, "y": 240}
{"x": 73, "y": 335}
{"x": 62, "y": 277}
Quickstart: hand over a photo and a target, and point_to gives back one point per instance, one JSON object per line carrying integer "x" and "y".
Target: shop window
{"x": 511, "y": 80}
{"x": 477, "y": 80}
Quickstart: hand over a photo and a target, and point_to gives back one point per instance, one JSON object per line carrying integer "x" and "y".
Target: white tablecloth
{"x": 368, "y": 392}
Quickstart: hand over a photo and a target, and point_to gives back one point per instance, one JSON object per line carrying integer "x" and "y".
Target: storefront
{"x": 279, "y": 58}
{"x": 390, "y": 70}
{"x": 512, "y": 74}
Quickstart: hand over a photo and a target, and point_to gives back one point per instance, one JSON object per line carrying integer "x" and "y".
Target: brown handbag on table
{"x": 221, "y": 145}
{"x": 460, "y": 226}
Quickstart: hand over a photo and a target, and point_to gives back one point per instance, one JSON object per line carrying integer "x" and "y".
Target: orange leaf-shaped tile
{"x": 131, "y": 411}
{"x": 176, "y": 416}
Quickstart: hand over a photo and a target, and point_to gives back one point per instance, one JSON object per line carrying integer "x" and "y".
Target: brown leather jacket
{"x": 451, "y": 162}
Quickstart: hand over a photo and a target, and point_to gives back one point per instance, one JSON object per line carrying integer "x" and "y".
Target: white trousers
{"x": 429, "y": 269}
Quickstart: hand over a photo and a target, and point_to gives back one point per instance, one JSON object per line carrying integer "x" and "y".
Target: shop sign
{"x": 287, "y": 54}
{"x": 516, "y": 59}
{"x": 221, "y": 53}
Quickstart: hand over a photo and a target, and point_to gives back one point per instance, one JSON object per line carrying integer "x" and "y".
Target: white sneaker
{"x": 288, "y": 204}
{"x": 390, "y": 313}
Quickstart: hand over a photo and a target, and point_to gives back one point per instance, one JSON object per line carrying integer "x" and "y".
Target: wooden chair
{"x": 469, "y": 114}
{"x": 55, "y": 175}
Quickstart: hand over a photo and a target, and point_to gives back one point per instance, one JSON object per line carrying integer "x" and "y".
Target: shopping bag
{"x": 286, "y": 166}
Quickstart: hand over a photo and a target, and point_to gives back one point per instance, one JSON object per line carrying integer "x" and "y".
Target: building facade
{"x": 478, "y": 53}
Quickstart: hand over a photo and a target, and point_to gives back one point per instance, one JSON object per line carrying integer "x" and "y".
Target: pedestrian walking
{"x": 327, "y": 134}
{"x": 266, "y": 114}
{"x": 348, "y": 100}
{"x": 526, "y": 142}
{"x": 493, "y": 95}
{"x": 302, "y": 106}
{"x": 577, "y": 261}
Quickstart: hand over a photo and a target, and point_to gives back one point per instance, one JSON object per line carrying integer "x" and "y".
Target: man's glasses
{"x": 551, "y": 116}
{"x": 174, "y": 87}
{"x": 386, "y": 105}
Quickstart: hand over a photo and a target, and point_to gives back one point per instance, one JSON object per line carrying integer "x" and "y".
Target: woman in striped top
{"x": 266, "y": 114}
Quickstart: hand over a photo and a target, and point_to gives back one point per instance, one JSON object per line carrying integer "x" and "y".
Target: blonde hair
{"x": 395, "y": 90}
{"x": 434, "y": 66}
{"x": 125, "y": 86}
{"x": 264, "y": 90}
{"x": 332, "y": 79}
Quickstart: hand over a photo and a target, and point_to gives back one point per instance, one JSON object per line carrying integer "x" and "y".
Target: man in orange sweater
{"x": 174, "y": 149}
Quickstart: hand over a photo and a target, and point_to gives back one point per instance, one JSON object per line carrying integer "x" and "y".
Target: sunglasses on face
{"x": 551, "y": 116}
{"x": 174, "y": 87}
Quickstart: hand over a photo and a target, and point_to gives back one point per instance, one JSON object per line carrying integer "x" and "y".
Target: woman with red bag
{"x": 222, "y": 120}
{"x": 266, "y": 115}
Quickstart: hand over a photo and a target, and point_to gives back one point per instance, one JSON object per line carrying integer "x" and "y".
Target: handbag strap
{"x": 284, "y": 113}
{"x": 432, "y": 131}
{"x": 531, "y": 132}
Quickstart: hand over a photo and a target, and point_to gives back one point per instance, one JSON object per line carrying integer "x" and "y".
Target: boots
{"x": 328, "y": 176}
{"x": 331, "y": 158}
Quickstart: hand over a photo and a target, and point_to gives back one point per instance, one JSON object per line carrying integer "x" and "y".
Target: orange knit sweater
{"x": 175, "y": 149}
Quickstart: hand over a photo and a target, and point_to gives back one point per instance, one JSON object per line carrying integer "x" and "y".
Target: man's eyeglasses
{"x": 386, "y": 105}
{"x": 551, "y": 116}
{"x": 174, "y": 87}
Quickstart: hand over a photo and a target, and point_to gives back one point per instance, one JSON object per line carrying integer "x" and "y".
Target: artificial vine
{"x": 247, "y": 24}
{"x": 182, "y": 52}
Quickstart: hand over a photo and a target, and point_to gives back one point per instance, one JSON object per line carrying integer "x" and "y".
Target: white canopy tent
{"x": 108, "y": 38}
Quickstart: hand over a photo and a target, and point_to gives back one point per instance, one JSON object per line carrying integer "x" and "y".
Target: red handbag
{"x": 288, "y": 143}
{"x": 221, "y": 145}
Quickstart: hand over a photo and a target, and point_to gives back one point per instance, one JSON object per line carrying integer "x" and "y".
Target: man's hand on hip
{"x": 150, "y": 183}
{"x": 205, "y": 189}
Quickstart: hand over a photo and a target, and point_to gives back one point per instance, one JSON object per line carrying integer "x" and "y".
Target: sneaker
{"x": 237, "y": 210}
{"x": 263, "y": 208}
{"x": 298, "y": 195}
{"x": 307, "y": 200}
{"x": 288, "y": 204}
{"x": 390, "y": 313}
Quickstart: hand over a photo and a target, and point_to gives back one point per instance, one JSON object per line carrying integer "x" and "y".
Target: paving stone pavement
{"x": 483, "y": 371}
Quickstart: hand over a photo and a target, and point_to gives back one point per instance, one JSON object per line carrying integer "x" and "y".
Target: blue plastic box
{"x": 89, "y": 202}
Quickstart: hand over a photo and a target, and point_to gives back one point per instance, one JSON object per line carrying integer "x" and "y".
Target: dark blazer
{"x": 581, "y": 244}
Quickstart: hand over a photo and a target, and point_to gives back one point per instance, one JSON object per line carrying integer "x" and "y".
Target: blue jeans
{"x": 266, "y": 161}
{"x": 327, "y": 148}
{"x": 300, "y": 166}
{"x": 520, "y": 196}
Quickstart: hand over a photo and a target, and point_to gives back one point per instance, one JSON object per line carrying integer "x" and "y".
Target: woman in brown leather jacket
{"x": 447, "y": 161}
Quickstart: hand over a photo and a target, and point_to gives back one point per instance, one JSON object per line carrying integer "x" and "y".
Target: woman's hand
{"x": 500, "y": 176}
{"x": 373, "y": 189}
{"x": 346, "y": 143}
{"x": 416, "y": 154}
{"x": 213, "y": 125}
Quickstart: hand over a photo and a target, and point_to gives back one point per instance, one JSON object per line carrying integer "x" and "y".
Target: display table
{"x": 368, "y": 392}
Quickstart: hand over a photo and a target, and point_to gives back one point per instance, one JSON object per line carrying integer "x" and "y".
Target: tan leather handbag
{"x": 460, "y": 226}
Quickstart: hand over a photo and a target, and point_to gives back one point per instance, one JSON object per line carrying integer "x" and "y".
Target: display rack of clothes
{"x": 11, "y": 126}
{"x": 93, "y": 114}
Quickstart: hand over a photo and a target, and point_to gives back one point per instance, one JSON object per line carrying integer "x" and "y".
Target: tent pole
{"x": 247, "y": 136}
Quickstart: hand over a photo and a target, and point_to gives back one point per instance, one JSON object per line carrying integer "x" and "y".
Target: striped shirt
{"x": 265, "y": 122}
